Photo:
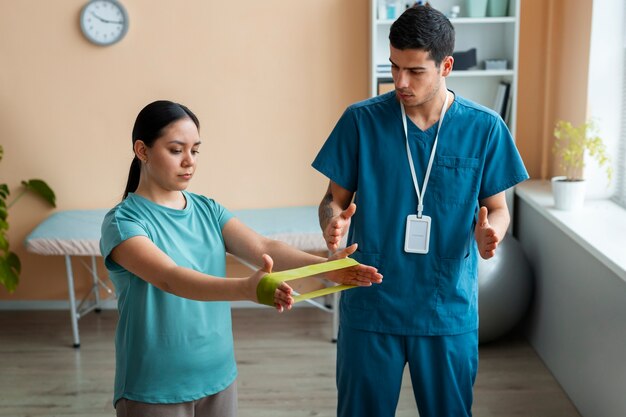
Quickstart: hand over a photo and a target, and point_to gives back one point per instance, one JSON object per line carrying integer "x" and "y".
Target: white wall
{"x": 577, "y": 319}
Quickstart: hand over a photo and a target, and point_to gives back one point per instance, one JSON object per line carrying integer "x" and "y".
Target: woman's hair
{"x": 149, "y": 126}
{"x": 425, "y": 28}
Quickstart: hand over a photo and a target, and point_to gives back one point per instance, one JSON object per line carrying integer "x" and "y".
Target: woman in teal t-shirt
{"x": 165, "y": 250}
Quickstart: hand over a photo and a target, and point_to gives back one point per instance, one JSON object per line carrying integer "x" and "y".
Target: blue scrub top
{"x": 435, "y": 293}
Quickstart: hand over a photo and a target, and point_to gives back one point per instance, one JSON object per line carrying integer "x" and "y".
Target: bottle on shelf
{"x": 454, "y": 11}
{"x": 392, "y": 9}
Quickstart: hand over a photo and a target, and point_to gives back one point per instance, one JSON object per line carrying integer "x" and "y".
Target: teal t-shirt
{"x": 435, "y": 293}
{"x": 170, "y": 349}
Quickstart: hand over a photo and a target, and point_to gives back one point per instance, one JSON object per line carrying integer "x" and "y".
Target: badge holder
{"x": 417, "y": 237}
{"x": 269, "y": 283}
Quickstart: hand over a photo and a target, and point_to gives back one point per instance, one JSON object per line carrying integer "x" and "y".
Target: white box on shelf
{"x": 495, "y": 64}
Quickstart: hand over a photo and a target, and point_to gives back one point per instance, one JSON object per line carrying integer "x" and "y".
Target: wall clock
{"x": 104, "y": 22}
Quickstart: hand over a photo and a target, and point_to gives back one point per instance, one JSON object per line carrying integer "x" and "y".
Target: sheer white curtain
{"x": 620, "y": 164}
{"x": 606, "y": 96}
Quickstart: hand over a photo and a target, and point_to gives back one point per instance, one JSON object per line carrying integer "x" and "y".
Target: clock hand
{"x": 105, "y": 20}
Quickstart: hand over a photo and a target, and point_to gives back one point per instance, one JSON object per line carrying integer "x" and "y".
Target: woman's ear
{"x": 141, "y": 150}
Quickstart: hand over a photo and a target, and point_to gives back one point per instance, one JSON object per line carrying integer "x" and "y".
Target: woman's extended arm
{"x": 143, "y": 258}
{"x": 248, "y": 245}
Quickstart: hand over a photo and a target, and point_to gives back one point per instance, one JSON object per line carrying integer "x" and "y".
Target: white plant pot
{"x": 568, "y": 195}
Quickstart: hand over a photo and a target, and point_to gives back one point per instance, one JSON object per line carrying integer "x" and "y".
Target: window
{"x": 620, "y": 161}
{"x": 606, "y": 97}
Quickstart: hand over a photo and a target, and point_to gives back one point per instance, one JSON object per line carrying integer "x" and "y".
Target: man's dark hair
{"x": 425, "y": 28}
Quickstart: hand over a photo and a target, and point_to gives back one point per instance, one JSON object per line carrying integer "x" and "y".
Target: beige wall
{"x": 267, "y": 79}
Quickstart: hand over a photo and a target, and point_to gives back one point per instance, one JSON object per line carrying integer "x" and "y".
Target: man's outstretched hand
{"x": 361, "y": 275}
{"x": 485, "y": 235}
{"x": 337, "y": 228}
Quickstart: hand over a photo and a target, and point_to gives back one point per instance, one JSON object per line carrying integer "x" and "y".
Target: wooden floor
{"x": 286, "y": 368}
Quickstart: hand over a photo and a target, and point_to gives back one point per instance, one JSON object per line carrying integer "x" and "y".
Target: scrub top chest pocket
{"x": 456, "y": 179}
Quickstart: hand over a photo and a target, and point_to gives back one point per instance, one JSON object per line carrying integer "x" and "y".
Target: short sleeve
{"x": 503, "y": 164}
{"x": 221, "y": 213}
{"x": 116, "y": 228}
{"x": 338, "y": 158}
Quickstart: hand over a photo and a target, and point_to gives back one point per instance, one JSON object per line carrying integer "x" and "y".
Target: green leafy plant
{"x": 571, "y": 143}
{"x": 10, "y": 265}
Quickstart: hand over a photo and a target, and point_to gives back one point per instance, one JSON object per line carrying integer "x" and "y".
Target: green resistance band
{"x": 269, "y": 283}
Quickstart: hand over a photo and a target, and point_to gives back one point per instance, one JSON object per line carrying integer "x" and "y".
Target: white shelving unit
{"x": 493, "y": 38}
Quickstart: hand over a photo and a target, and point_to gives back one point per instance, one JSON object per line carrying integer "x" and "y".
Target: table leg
{"x": 96, "y": 284}
{"x": 72, "y": 297}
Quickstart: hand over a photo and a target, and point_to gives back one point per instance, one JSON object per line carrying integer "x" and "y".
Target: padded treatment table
{"x": 77, "y": 233}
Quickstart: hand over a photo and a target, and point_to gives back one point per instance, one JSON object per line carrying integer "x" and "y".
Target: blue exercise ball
{"x": 505, "y": 284}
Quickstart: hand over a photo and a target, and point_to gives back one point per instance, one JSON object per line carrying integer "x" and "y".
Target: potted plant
{"x": 570, "y": 145}
{"x": 10, "y": 265}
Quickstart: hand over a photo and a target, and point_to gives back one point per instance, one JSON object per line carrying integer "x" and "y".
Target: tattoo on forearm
{"x": 325, "y": 211}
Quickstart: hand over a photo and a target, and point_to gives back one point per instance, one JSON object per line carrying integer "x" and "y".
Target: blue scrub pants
{"x": 370, "y": 367}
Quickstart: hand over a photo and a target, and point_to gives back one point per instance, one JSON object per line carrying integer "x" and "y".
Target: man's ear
{"x": 446, "y": 65}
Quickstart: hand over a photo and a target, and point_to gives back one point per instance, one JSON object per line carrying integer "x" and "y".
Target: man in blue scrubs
{"x": 427, "y": 170}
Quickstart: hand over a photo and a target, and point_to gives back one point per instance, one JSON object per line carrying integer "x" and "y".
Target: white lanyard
{"x": 420, "y": 196}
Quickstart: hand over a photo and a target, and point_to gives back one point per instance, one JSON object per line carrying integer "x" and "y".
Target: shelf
{"x": 481, "y": 73}
{"x": 482, "y": 20}
{"x": 465, "y": 73}
{"x": 462, "y": 20}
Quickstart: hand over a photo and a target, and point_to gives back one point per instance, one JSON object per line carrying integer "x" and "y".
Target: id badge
{"x": 417, "y": 234}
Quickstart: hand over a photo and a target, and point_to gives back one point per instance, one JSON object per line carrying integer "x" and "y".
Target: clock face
{"x": 104, "y": 22}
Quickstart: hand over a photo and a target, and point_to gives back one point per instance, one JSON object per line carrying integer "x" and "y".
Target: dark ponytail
{"x": 133, "y": 177}
{"x": 149, "y": 126}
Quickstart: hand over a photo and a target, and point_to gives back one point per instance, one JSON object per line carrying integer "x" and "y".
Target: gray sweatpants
{"x": 221, "y": 404}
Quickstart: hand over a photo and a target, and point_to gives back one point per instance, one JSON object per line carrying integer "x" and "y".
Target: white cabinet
{"x": 495, "y": 38}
